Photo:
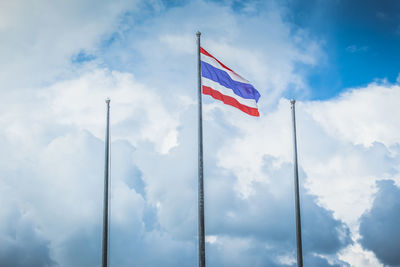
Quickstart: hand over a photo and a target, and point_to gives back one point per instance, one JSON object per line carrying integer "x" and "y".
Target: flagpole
{"x": 202, "y": 249}
{"x": 296, "y": 189}
{"x": 105, "y": 204}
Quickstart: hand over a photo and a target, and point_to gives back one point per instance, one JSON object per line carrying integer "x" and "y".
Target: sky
{"x": 61, "y": 59}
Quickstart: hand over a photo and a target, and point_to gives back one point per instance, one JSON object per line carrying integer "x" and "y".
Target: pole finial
{"x": 198, "y": 33}
{"x": 108, "y": 100}
{"x": 292, "y": 101}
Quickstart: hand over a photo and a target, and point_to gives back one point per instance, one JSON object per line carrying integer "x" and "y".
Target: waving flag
{"x": 225, "y": 85}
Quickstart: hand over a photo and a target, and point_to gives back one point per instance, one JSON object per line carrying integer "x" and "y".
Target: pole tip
{"x": 292, "y": 101}
{"x": 108, "y": 100}
{"x": 198, "y": 33}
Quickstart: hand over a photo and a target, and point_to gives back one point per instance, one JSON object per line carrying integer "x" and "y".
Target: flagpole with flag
{"x": 296, "y": 189}
{"x": 221, "y": 83}
{"x": 106, "y": 179}
{"x": 201, "y": 234}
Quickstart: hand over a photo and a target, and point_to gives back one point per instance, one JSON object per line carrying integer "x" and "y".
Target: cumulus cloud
{"x": 379, "y": 225}
{"x": 22, "y": 244}
{"x": 336, "y": 164}
{"x": 167, "y": 46}
{"x": 260, "y": 228}
{"x": 52, "y": 127}
{"x": 265, "y": 220}
{"x": 359, "y": 151}
{"x": 38, "y": 40}
{"x": 153, "y": 209}
{"x": 138, "y": 113}
{"x": 365, "y": 110}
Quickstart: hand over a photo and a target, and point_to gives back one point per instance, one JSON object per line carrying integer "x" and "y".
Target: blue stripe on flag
{"x": 244, "y": 90}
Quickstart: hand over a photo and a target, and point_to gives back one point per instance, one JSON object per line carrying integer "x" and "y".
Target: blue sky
{"x": 361, "y": 40}
{"x": 339, "y": 59}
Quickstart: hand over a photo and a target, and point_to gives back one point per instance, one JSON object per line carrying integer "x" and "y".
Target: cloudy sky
{"x": 59, "y": 60}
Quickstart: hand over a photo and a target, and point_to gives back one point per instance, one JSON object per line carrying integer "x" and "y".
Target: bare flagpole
{"x": 106, "y": 177}
{"x": 296, "y": 190}
{"x": 202, "y": 249}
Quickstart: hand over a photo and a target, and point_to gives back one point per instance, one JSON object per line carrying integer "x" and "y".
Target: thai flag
{"x": 225, "y": 85}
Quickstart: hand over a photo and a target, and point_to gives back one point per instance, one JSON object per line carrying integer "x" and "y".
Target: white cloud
{"x": 137, "y": 113}
{"x": 262, "y": 47}
{"x": 361, "y": 116}
{"x": 52, "y": 124}
{"x": 355, "y": 255}
{"x": 356, "y": 49}
{"x": 38, "y": 40}
{"x": 345, "y": 145}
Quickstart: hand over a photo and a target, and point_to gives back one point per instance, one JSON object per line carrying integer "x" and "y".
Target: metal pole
{"x": 296, "y": 190}
{"x": 202, "y": 249}
{"x": 106, "y": 174}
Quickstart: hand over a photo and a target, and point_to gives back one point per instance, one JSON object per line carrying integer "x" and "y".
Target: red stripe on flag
{"x": 230, "y": 101}
{"x": 203, "y": 51}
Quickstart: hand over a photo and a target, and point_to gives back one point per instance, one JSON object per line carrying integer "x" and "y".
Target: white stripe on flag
{"x": 228, "y": 92}
{"x": 215, "y": 64}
